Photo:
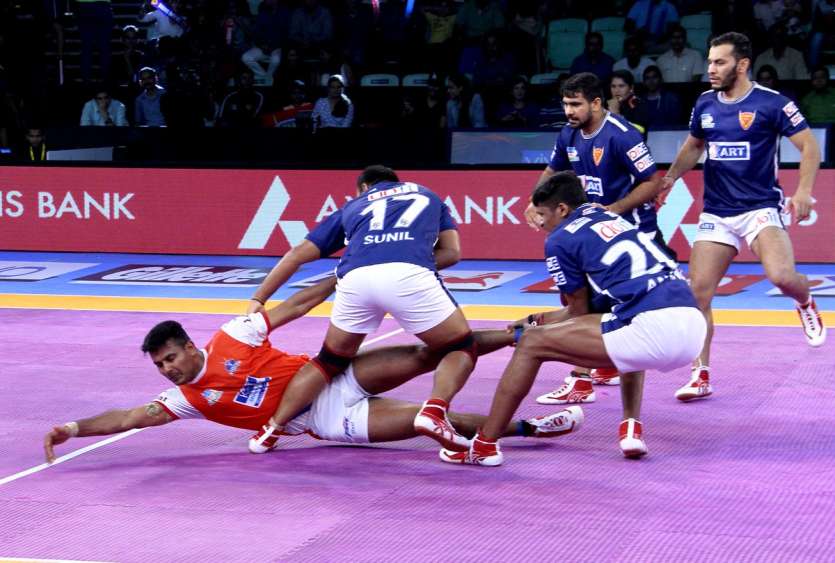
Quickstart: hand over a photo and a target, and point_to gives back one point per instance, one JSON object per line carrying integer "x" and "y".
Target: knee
{"x": 782, "y": 277}
{"x": 703, "y": 292}
{"x": 531, "y": 342}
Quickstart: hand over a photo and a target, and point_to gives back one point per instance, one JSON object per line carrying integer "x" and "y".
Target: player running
{"x": 239, "y": 378}
{"x": 740, "y": 124}
{"x": 653, "y": 323}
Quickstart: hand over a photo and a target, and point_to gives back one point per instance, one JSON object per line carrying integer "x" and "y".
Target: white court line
{"x": 76, "y": 453}
{"x": 69, "y": 456}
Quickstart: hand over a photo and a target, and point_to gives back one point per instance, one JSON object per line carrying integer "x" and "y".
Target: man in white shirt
{"x": 788, "y": 62}
{"x": 680, "y": 63}
{"x": 634, "y": 60}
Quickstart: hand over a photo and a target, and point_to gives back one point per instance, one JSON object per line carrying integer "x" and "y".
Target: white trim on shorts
{"x": 731, "y": 230}
{"x": 413, "y": 295}
{"x": 662, "y": 339}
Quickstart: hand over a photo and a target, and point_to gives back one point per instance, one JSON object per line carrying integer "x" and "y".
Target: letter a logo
{"x": 268, "y": 217}
{"x": 746, "y": 119}
{"x": 597, "y": 155}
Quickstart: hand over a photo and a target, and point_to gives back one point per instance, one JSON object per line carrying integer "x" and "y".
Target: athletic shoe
{"x": 431, "y": 421}
{"x": 699, "y": 386}
{"x": 480, "y": 452}
{"x": 558, "y": 423}
{"x": 813, "y": 327}
{"x": 265, "y": 440}
{"x": 631, "y": 440}
{"x": 603, "y": 376}
{"x": 577, "y": 390}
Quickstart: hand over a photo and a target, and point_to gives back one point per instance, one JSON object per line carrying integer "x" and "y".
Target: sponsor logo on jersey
{"x": 607, "y": 230}
{"x": 593, "y": 185}
{"x": 644, "y": 163}
{"x": 554, "y": 269}
{"x": 727, "y": 150}
{"x": 707, "y": 121}
{"x": 575, "y": 225}
{"x": 406, "y": 188}
{"x": 212, "y": 396}
{"x": 572, "y": 154}
{"x": 706, "y": 226}
{"x": 796, "y": 119}
{"x": 637, "y": 151}
{"x": 790, "y": 109}
{"x": 253, "y": 392}
{"x": 231, "y": 366}
{"x": 597, "y": 155}
{"x": 746, "y": 119}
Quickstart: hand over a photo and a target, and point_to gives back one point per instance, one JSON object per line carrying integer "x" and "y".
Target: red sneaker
{"x": 265, "y": 440}
{"x": 631, "y": 440}
{"x": 605, "y": 376}
{"x": 577, "y": 390}
{"x": 431, "y": 421}
{"x": 481, "y": 452}
{"x": 698, "y": 387}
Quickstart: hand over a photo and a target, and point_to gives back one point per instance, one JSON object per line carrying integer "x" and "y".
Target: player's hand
{"x": 667, "y": 183}
{"x": 58, "y": 435}
{"x": 801, "y": 206}
{"x": 255, "y": 307}
{"x": 531, "y": 217}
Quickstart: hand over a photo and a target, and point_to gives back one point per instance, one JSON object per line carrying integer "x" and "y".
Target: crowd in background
{"x": 300, "y": 63}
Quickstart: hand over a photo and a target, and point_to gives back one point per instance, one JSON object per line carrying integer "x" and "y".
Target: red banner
{"x": 265, "y": 211}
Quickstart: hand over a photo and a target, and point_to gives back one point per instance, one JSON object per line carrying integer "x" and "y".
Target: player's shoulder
{"x": 707, "y": 97}
{"x": 574, "y": 227}
{"x": 770, "y": 98}
{"x": 616, "y": 123}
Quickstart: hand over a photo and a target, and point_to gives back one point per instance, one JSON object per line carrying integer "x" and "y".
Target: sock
{"x": 525, "y": 428}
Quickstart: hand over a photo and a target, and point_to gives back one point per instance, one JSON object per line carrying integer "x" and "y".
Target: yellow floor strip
{"x": 746, "y": 317}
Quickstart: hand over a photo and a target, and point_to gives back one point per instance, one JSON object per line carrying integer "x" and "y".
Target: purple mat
{"x": 748, "y": 475}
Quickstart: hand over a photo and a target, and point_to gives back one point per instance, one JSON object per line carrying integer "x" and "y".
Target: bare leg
{"x": 577, "y": 341}
{"x": 390, "y": 420}
{"x": 774, "y": 250}
{"x": 454, "y": 369}
{"x": 632, "y": 393}
{"x": 309, "y": 380}
{"x": 708, "y": 263}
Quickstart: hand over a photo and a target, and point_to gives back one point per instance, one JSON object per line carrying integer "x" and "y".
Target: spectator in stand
{"x": 464, "y": 108}
{"x": 291, "y": 69}
{"x": 681, "y": 63}
{"x": 663, "y": 107}
{"x": 476, "y": 18}
{"x": 819, "y": 105}
{"x": 788, "y": 62}
{"x": 34, "y": 147}
{"x": 634, "y": 61}
{"x": 552, "y": 113}
{"x": 432, "y": 107}
{"x": 409, "y": 117}
{"x": 147, "y": 106}
{"x": 103, "y": 110}
{"x": 795, "y": 21}
{"x": 242, "y": 107}
{"x": 624, "y": 102}
{"x": 593, "y": 59}
{"x": 298, "y": 113}
{"x": 767, "y": 76}
{"x": 125, "y": 70}
{"x": 519, "y": 112}
{"x": 335, "y": 110}
{"x": 189, "y": 102}
{"x": 333, "y": 62}
{"x": 95, "y": 24}
{"x": 167, "y": 22}
{"x": 494, "y": 66}
{"x": 311, "y": 27}
{"x": 652, "y": 21}
{"x": 524, "y": 35}
{"x": 269, "y": 33}
{"x": 766, "y": 14}
{"x": 440, "y": 26}
{"x": 823, "y": 29}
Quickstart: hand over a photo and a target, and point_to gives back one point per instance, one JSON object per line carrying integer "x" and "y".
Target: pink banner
{"x": 265, "y": 211}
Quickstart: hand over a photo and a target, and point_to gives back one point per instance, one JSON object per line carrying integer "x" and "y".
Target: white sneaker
{"x": 813, "y": 327}
{"x": 558, "y": 423}
{"x": 480, "y": 452}
{"x": 698, "y": 387}
{"x": 432, "y": 422}
{"x": 265, "y": 440}
{"x": 601, "y": 377}
{"x": 577, "y": 390}
{"x": 631, "y": 439}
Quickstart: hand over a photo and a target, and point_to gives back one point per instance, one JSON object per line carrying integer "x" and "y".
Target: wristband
{"x": 256, "y": 299}
{"x": 72, "y": 428}
{"x": 517, "y": 333}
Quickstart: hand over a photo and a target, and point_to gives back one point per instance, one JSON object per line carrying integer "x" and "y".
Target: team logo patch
{"x": 572, "y": 154}
{"x": 212, "y": 396}
{"x": 637, "y": 151}
{"x": 725, "y": 150}
{"x": 790, "y": 109}
{"x": 707, "y": 121}
{"x": 231, "y": 365}
{"x": 597, "y": 155}
{"x": 644, "y": 163}
{"x": 746, "y": 119}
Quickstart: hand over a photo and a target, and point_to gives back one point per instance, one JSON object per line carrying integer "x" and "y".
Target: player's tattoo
{"x": 153, "y": 409}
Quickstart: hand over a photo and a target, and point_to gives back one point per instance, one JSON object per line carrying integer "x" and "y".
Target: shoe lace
{"x": 809, "y": 318}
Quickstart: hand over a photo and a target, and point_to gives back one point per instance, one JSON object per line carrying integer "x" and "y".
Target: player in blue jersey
{"x": 739, "y": 123}
{"x": 398, "y": 234}
{"x": 617, "y": 170}
{"x": 653, "y": 322}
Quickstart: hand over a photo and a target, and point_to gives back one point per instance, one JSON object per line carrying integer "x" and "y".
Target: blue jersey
{"x": 610, "y": 162}
{"x": 595, "y": 248}
{"x": 391, "y": 222}
{"x": 742, "y": 138}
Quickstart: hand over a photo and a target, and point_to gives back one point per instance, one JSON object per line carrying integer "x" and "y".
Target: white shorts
{"x": 731, "y": 230}
{"x": 414, "y": 296}
{"x": 663, "y": 339}
{"x": 339, "y": 413}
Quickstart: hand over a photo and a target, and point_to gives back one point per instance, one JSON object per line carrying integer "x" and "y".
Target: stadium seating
{"x": 697, "y": 21}
{"x": 386, "y": 80}
{"x": 568, "y": 24}
{"x": 564, "y": 46}
{"x": 411, "y": 80}
{"x": 608, "y": 24}
{"x": 546, "y": 77}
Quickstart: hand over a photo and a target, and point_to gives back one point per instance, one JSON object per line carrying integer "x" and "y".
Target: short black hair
{"x": 584, "y": 83}
{"x": 377, "y": 173}
{"x": 653, "y": 68}
{"x": 563, "y": 187}
{"x": 769, "y": 69}
{"x": 159, "y": 336}
{"x": 740, "y": 43}
{"x": 594, "y": 35}
{"x": 624, "y": 75}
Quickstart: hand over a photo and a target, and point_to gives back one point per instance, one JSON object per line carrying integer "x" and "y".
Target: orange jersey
{"x": 242, "y": 380}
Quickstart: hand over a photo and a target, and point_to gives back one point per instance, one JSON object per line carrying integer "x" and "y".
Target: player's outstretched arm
{"x": 289, "y": 264}
{"x": 810, "y": 160}
{"x": 110, "y": 422}
{"x": 643, "y": 193}
{"x": 577, "y": 304}
{"x": 447, "y": 249}
{"x": 688, "y": 156}
{"x": 300, "y": 303}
